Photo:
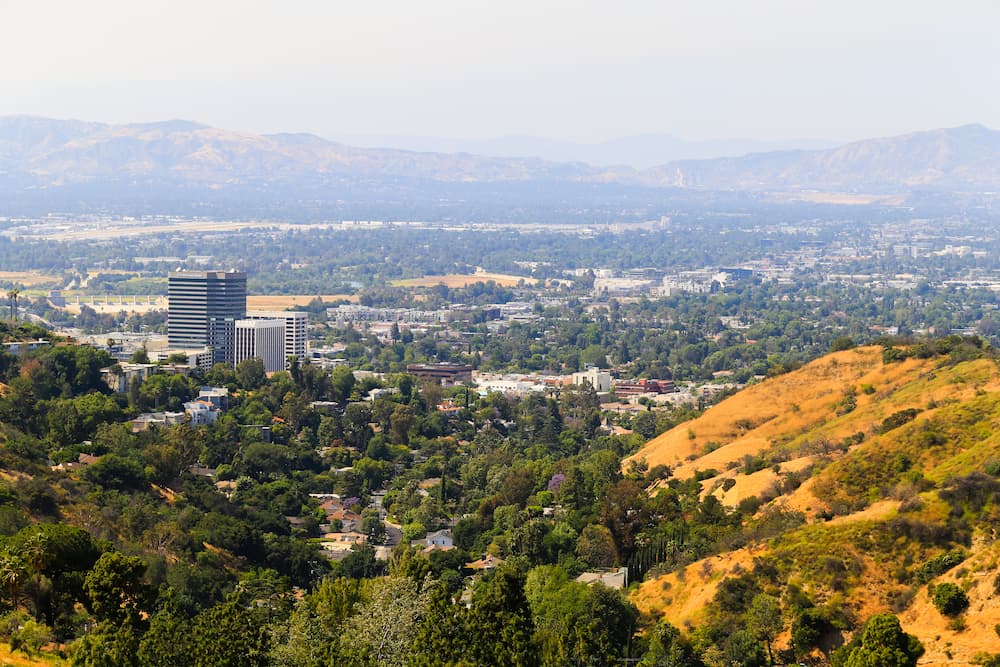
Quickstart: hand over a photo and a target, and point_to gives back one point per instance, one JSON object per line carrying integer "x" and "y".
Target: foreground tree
{"x": 167, "y": 643}
{"x": 883, "y": 644}
{"x": 107, "y": 645}
{"x": 500, "y": 622}
{"x": 384, "y": 624}
{"x": 669, "y": 648}
{"x": 443, "y": 620}
{"x": 228, "y": 635}
{"x": 115, "y": 589}
{"x": 763, "y": 620}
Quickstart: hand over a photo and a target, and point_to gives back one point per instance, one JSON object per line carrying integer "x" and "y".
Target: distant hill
{"x": 640, "y": 151}
{"x": 56, "y": 152}
{"x": 862, "y": 463}
{"x": 961, "y": 158}
{"x": 71, "y": 165}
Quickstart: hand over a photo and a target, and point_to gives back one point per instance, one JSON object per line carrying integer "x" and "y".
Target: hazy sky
{"x": 577, "y": 70}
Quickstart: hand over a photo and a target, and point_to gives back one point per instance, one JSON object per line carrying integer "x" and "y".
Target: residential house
{"x": 616, "y": 579}
{"x": 439, "y": 538}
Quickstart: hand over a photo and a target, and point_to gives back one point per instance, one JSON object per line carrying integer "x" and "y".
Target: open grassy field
{"x": 140, "y": 229}
{"x": 144, "y": 304}
{"x": 285, "y": 301}
{"x": 29, "y": 278}
{"x": 254, "y": 302}
{"x": 18, "y": 659}
{"x": 464, "y": 280}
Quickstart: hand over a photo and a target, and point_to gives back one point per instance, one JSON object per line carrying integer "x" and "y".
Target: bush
{"x": 30, "y": 637}
{"x": 414, "y": 531}
{"x": 749, "y": 505}
{"x": 116, "y": 472}
{"x": 752, "y": 464}
{"x": 842, "y": 343}
{"x": 949, "y": 599}
{"x": 848, "y": 403}
{"x": 897, "y": 419}
{"x": 939, "y": 565}
{"x": 893, "y": 354}
{"x": 986, "y": 660}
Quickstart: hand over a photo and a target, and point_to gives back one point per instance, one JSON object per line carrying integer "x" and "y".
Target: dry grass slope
{"x": 811, "y": 418}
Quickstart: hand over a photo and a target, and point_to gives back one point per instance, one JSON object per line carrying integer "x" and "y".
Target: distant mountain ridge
{"x": 963, "y": 158}
{"x": 640, "y": 151}
{"x": 93, "y": 159}
{"x": 72, "y": 151}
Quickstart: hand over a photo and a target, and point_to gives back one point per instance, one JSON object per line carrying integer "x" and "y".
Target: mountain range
{"x": 960, "y": 158}
{"x": 640, "y": 151}
{"x": 87, "y": 161}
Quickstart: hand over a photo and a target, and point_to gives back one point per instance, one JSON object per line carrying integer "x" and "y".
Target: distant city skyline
{"x": 584, "y": 72}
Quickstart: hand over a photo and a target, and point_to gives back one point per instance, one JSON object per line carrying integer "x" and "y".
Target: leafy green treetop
{"x": 883, "y": 644}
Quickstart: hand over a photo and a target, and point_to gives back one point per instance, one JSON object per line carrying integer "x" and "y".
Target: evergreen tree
{"x": 883, "y": 644}
{"x": 500, "y": 622}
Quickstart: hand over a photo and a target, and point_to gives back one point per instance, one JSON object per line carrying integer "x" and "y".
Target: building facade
{"x": 446, "y": 373}
{"x": 202, "y": 310}
{"x": 594, "y": 377}
{"x": 296, "y": 325}
{"x": 264, "y": 339}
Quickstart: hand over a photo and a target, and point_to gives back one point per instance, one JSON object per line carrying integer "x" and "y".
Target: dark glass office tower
{"x": 203, "y": 307}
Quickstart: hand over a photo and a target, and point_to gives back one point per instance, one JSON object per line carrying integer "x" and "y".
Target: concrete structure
{"x": 202, "y": 358}
{"x": 202, "y": 310}
{"x": 510, "y": 386}
{"x": 16, "y": 347}
{"x": 200, "y": 412}
{"x": 121, "y": 378}
{"x": 447, "y": 374}
{"x": 616, "y": 579}
{"x": 148, "y": 420}
{"x": 264, "y": 339}
{"x": 296, "y": 325}
{"x": 354, "y": 313}
{"x": 638, "y": 387}
{"x": 595, "y": 377}
{"x": 218, "y": 397}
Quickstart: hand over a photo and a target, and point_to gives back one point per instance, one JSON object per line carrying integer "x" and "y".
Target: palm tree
{"x": 12, "y": 574}
{"x": 12, "y": 295}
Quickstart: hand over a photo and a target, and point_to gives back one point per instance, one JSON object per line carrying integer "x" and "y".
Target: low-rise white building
{"x": 594, "y": 377}
{"x": 200, "y": 412}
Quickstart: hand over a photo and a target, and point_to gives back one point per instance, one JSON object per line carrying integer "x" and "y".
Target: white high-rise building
{"x": 264, "y": 339}
{"x": 296, "y": 324}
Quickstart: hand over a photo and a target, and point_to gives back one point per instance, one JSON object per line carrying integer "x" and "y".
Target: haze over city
{"x": 585, "y": 72}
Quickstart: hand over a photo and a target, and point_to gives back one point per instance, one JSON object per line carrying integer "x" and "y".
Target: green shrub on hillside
{"x": 897, "y": 419}
{"x": 939, "y": 565}
{"x": 949, "y": 599}
{"x": 881, "y": 642}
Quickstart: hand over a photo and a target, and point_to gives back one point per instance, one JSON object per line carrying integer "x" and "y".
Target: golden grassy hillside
{"x": 875, "y": 456}
{"x": 794, "y": 414}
